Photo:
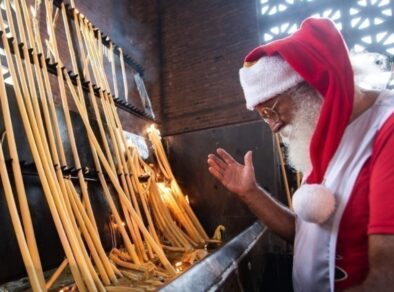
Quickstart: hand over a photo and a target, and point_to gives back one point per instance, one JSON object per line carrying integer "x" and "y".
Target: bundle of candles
{"x": 160, "y": 233}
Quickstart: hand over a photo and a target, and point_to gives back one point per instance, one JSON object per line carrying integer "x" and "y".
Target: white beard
{"x": 297, "y": 135}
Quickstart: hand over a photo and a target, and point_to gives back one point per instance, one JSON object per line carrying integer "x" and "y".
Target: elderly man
{"x": 342, "y": 138}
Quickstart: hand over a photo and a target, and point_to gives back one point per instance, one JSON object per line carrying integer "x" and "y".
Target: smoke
{"x": 371, "y": 70}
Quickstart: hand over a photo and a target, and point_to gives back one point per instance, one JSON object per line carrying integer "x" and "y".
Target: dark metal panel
{"x": 212, "y": 203}
{"x": 51, "y": 253}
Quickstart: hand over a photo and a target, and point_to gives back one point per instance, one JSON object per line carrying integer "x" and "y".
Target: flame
{"x": 165, "y": 192}
{"x": 187, "y": 199}
{"x": 115, "y": 225}
{"x": 162, "y": 187}
{"x": 33, "y": 11}
{"x": 152, "y": 129}
{"x": 178, "y": 267}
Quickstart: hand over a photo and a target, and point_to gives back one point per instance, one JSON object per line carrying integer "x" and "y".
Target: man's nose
{"x": 270, "y": 123}
{"x": 274, "y": 125}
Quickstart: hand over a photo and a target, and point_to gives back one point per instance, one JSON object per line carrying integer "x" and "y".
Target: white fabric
{"x": 315, "y": 245}
{"x": 269, "y": 76}
{"x": 313, "y": 203}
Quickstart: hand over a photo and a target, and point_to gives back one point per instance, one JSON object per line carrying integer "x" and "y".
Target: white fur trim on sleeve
{"x": 269, "y": 76}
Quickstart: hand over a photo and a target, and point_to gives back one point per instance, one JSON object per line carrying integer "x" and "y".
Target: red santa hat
{"x": 318, "y": 54}
{"x": 266, "y": 78}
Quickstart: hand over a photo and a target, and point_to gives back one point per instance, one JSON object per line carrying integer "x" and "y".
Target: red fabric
{"x": 319, "y": 54}
{"x": 370, "y": 209}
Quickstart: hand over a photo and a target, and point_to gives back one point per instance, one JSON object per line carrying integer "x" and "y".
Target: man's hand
{"x": 237, "y": 178}
{"x": 240, "y": 179}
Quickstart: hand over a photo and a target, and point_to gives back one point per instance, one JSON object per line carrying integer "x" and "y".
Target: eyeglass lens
{"x": 269, "y": 114}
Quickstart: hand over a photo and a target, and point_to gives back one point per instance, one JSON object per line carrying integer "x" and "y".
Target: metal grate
{"x": 365, "y": 24}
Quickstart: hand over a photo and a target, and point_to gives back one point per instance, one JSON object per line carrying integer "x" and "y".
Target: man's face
{"x": 277, "y": 112}
{"x": 297, "y": 114}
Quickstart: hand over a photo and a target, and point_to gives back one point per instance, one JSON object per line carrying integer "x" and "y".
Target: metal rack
{"x": 106, "y": 40}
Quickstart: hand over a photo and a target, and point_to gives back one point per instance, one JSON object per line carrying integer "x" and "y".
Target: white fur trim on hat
{"x": 314, "y": 203}
{"x": 269, "y": 76}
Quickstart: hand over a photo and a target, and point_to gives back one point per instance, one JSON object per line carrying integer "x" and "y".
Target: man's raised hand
{"x": 236, "y": 177}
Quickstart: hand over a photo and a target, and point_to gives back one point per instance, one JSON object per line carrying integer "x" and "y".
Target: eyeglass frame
{"x": 274, "y": 114}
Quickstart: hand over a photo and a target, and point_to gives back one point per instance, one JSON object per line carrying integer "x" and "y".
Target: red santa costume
{"x": 348, "y": 193}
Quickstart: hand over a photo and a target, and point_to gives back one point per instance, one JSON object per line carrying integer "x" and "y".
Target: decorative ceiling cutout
{"x": 365, "y": 24}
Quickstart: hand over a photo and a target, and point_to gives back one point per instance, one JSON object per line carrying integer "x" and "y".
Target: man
{"x": 341, "y": 137}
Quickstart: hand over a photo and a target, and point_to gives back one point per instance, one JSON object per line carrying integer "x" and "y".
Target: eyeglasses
{"x": 268, "y": 114}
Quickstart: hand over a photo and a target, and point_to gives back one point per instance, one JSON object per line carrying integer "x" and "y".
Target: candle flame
{"x": 32, "y": 11}
{"x": 153, "y": 130}
{"x": 115, "y": 225}
{"x": 178, "y": 267}
{"x": 165, "y": 192}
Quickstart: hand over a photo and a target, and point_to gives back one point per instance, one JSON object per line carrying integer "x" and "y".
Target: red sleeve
{"x": 381, "y": 196}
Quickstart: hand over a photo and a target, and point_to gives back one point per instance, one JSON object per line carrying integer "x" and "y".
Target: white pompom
{"x": 314, "y": 203}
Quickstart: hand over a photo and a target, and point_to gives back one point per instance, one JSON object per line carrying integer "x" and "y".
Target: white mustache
{"x": 297, "y": 135}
